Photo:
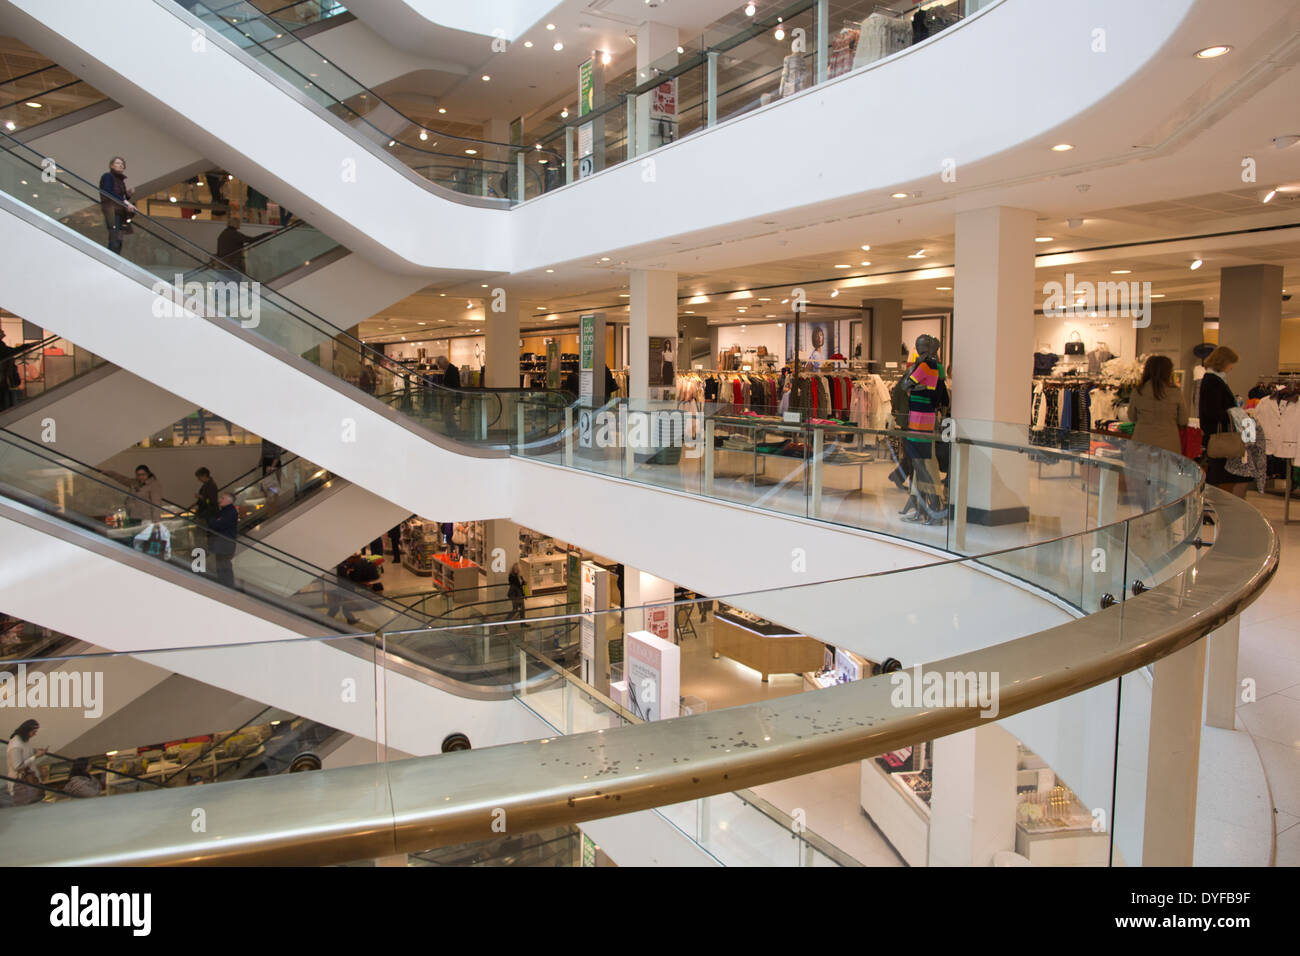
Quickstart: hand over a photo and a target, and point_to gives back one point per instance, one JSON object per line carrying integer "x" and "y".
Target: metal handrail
{"x": 428, "y": 802}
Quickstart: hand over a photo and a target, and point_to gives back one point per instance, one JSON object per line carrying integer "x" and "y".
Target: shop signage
{"x": 658, "y": 621}
{"x": 653, "y": 669}
{"x": 588, "y": 851}
{"x": 593, "y": 639}
{"x": 586, "y": 102}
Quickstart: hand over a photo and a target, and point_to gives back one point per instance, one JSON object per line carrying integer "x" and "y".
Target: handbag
{"x": 1075, "y": 345}
{"x": 23, "y": 794}
{"x": 1225, "y": 445}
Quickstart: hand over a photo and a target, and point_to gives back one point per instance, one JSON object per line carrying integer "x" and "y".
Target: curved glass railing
{"x": 463, "y": 164}
{"x": 1086, "y": 792}
{"x": 479, "y": 416}
{"x": 737, "y": 65}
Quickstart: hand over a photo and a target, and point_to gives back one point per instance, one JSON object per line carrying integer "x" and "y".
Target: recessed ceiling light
{"x": 34, "y": 105}
{"x": 558, "y": 46}
{"x": 420, "y": 323}
{"x": 423, "y": 135}
{"x": 485, "y": 77}
{"x": 865, "y": 262}
{"x": 750, "y": 8}
{"x": 550, "y": 26}
{"x": 624, "y": 295}
{"x": 834, "y": 293}
{"x": 865, "y": 248}
{"x": 550, "y": 270}
{"x": 392, "y": 142}
{"x": 528, "y": 44}
{"x": 564, "y": 113}
{"x": 1210, "y": 52}
{"x": 769, "y": 298}
{"x": 604, "y": 258}
{"x": 898, "y": 195}
{"x": 11, "y": 126}
{"x": 1268, "y": 196}
{"x": 919, "y": 254}
{"x": 442, "y": 294}
{"x": 842, "y": 265}
{"x": 943, "y": 288}
{"x": 1157, "y": 295}
{"x": 605, "y": 59}
{"x": 1121, "y": 272}
{"x": 1062, "y": 148}
{"x": 1196, "y": 264}
{"x": 541, "y": 308}
{"x": 442, "y": 109}
{"x": 171, "y": 198}
{"x": 471, "y": 152}
{"x": 1044, "y": 238}
{"x": 690, "y": 311}
{"x": 680, "y": 50}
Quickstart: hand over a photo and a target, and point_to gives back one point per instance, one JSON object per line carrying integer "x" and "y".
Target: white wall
{"x": 175, "y": 467}
{"x": 334, "y": 523}
{"x": 1118, "y": 334}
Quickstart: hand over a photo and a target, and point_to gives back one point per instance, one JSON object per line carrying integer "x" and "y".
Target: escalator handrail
{"x": 203, "y": 258}
{"x": 276, "y": 554}
{"x": 107, "y": 770}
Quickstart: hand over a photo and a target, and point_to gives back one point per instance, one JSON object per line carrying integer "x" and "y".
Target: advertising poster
{"x": 663, "y": 114}
{"x": 817, "y": 341}
{"x": 663, "y": 361}
{"x": 593, "y": 640}
{"x": 659, "y": 621}
{"x": 652, "y": 667}
{"x": 586, "y": 133}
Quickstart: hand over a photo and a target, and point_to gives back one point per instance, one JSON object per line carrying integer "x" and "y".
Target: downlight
{"x": 1212, "y": 52}
{"x": 1196, "y": 264}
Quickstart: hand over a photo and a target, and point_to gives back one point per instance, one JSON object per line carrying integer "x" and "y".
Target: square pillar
{"x": 652, "y": 312}
{"x": 973, "y": 797}
{"x": 1173, "y": 758}
{"x": 884, "y": 333}
{"x": 993, "y": 327}
{"x": 502, "y": 342}
{"x": 500, "y": 549}
{"x": 644, "y": 588}
{"x": 1250, "y": 321}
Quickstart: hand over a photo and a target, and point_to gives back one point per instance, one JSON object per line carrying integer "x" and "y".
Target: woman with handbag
{"x": 1157, "y": 410}
{"x": 1223, "y": 443}
{"x": 21, "y": 764}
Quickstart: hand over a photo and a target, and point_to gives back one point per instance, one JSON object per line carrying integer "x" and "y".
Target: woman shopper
{"x": 80, "y": 782}
{"x": 115, "y": 202}
{"x": 146, "y": 501}
{"x": 21, "y": 764}
{"x": 515, "y": 591}
{"x": 1158, "y": 411}
{"x": 1217, "y": 400}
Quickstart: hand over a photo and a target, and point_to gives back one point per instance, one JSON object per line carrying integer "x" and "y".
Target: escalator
{"x": 296, "y": 370}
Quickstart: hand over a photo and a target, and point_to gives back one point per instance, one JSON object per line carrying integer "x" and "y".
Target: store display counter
{"x": 458, "y": 575}
{"x": 544, "y": 572}
{"x": 768, "y": 648}
{"x": 1067, "y": 844}
{"x": 897, "y": 810}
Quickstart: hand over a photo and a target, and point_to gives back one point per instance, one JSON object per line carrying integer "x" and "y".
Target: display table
{"x": 768, "y": 648}
{"x": 544, "y": 572}
{"x": 896, "y": 810}
{"x": 457, "y": 575}
{"x": 1073, "y": 845}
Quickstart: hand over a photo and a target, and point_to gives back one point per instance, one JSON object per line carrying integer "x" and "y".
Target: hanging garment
{"x": 1281, "y": 422}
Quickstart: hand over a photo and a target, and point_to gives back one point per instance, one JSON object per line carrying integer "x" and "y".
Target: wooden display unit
{"x": 766, "y": 647}
{"x": 457, "y": 576}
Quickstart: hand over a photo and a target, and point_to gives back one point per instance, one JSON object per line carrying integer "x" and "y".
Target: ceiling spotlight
{"x": 423, "y": 135}
{"x": 442, "y": 109}
{"x": 1268, "y": 196}
{"x": 780, "y": 30}
{"x": 865, "y": 248}
{"x": 898, "y": 195}
{"x": 842, "y": 265}
{"x": 750, "y": 8}
{"x": 604, "y": 258}
{"x": 943, "y": 288}
{"x": 471, "y": 152}
{"x": 564, "y": 113}
{"x": 865, "y": 262}
{"x": 550, "y": 26}
{"x": 392, "y": 142}
{"x": 11, "y": 126}
{"x": 1121, "y": 272}
{"x": 605, "y": 59}
{"x": 485, "y": 77}
{"x": 834, "y": 293}
{"x": 1211, "y": 52}
{"x": 1196, "y": 264}
{"x": 550, "y": 270}
{"x": 33, "y": 104}
{"x": 528, "y": 44}
{"x": 558, "y": 46}
{"x": 681, "y": 50}
{"x": 1043, "y": 239}
{"x": 171, "y": 198}
{"x": 1062, "y": 148}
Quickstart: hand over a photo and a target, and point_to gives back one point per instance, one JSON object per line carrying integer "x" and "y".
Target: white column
{"x": 994, "y": 300}
{"x": 1221, "y": 676}
{"x": 973, "y": 797}
{"x": 502, "y": 534}
{"x": 1173, "y": 756}
{"x": 653, "y": 311}
{"x": 656, "y": 43}
{"x": 1250, "y": 321}
{"x": 502, "y": 342}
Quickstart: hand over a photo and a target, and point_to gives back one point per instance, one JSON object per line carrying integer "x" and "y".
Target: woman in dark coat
{"x": 115, "y": 202}
{"x": 1215, "y": 401}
